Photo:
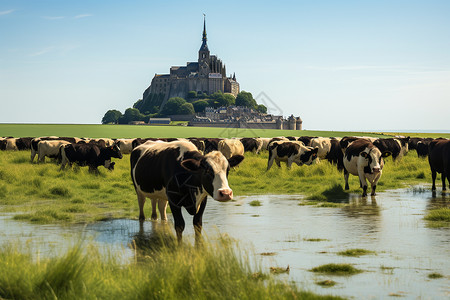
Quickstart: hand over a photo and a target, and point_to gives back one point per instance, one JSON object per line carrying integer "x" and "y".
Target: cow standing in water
{"x": 439, "y": 160}
{"x": 364, "y": 160}
{"x": 176, "y": 172}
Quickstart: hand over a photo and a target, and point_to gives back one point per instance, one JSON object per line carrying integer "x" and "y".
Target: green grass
{"x": 326, "y": 283}
{"x": 435, "y": 275}
{"x": 355, "y": 252}
{"x": 337, "y": 269}
{"x": 213, "y": 271}
{"x": 438, "y": 217}
{"x": 255, "y": 203}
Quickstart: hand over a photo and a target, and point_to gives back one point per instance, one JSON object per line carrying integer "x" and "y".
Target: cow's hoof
{"x": 373, "y": 194}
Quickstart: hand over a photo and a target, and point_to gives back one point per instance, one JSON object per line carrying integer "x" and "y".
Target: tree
{"x": 111, "y": 117}
{"x": 261, "y": 108}
{"x": 221, "y": 99}
{"x": 245, "y": 99}
{"x": 172, "y": 106}
{"x": 186, "y": 109}
{"x": 130, "y": 115}
{"x": 200, "y": 105}
{"x": 192, "y": 95}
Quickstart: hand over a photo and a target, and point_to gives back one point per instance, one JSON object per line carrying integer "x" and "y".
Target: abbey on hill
{"x": 207, "y": 75}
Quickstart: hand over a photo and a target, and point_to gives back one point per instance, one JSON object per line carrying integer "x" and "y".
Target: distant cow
{"x": 306, "y": 139}
{"x": 49, "y": 149}
{"x": 252, "y": 144}
{"x": 125, "y": 145}
{"x": 211, "y": 144}
{"x": 364, "y": 160}
{"x": 35, "y": 142}
{"x": 8, "y": 143}
{"x": 89, "y": 155}
{"x": 265, "y": 143}
{"x": 198, "y": 143}
{"x": 231, "y": 147}
{"x": 290, "y": 152}
{"x": 439, "y": 160}
{"x": 422, "y": 147}
{"x": 396, "y": 146}
{"x": 176, "y": 172}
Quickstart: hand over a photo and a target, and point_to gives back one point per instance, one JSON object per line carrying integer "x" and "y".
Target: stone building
{"x": 206, "y": 75}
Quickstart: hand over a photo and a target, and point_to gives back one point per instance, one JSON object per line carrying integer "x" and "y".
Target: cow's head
{"x": 308, "y": 155}
{"x": 114, "y": 151}
{"x": 374, "y": 159}
{"x": 214, "y": 168}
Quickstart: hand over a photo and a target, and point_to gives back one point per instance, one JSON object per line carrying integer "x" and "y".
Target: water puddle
{"x": 282, "y": 233}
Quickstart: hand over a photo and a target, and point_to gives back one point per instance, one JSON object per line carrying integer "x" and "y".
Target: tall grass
{"x": 213, "y": 271}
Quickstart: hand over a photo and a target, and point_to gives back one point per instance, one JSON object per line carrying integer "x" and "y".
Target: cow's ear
{"x": 315, "y": 150}
{"x": 235, "y": 160}
{"x": 386, "y": 154}
{"x": 363, "y": 154}
{"x": 191, "y": 164}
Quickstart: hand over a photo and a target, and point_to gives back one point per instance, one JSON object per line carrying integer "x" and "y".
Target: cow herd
{"x": 182, "y": 172}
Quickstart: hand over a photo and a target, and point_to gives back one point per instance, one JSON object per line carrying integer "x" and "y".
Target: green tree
{"x": 245, "y": 99}
{"x": 172, "y": 106}
{"x": 186, "y": 109}
{"x": 192, "y": 95}
{"x": 199, "y": 106}
{"x": 222, "y": 99}
{"x": 111, "y": 117}
{"x": 130, "y": 115}
{"x": 261, "y": 108}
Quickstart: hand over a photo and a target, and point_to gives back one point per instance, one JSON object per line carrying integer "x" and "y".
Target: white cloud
{"x": 6, "y": 12}
{"x": 82, "y": 16}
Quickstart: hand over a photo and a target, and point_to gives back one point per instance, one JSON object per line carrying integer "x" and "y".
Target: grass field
{"x": 134, "y": 131}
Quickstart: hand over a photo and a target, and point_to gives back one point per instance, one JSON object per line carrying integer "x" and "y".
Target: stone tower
{"x": 203, "y": 54}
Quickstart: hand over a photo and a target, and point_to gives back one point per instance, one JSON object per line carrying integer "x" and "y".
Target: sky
{"x": 339, "y": 65}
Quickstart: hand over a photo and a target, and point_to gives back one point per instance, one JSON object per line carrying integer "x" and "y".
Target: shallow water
{"x": 391, "y": 224}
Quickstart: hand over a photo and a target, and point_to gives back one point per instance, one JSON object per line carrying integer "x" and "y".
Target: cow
{"x": 306, "y": 139}
{"x": 35, "y": 142}
{"x": 89, "y": 155}
{"x": 211, "y": 144}
{"x": 265, "y": 143}
{"x": 50, "y": 149}
{"x": 231, "y": 147}
{"x": 422, "y": 147}
{"x": 8, "y": 143}
{"x": 125, "y": 145}
{"x": 364, "y": 160}
{"x": 178, "y": 174}
{"x": 412, "y": 143}
{"x": 329, "y": 149}
{"x": 439, "y": 160}
{"x": 290, "y": 152}
{"x": 198, "y": 143}
{"x": 396, "y": 146}
{"x": 252, "y": 144}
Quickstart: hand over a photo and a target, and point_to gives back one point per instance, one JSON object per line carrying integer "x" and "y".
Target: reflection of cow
{"x": 176, "y": 172}
{"x": 439, "y": 160}
{"x": 290, "y": 152}
{"x": 364, "y": 160}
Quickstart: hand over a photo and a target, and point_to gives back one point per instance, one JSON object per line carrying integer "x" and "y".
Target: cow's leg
{"x": 198, "y": 223}
{"x": 363, "y": 183}
{"x": 374, "y": 187}
{"x": 289, "y": 163}
{"x": 33, "y": 154}
{"x": 346, "y": 174}
{"x": 162, "y": 205}
{"x": 278, "y": 163}
{"x": 141, "y": 202}
{"x": 154, "y": 214}
{"x": 270, "y": 163}
{"x": 178, "y": 220}
{"x": 433, "y": 178}
{"x": 443, "y": 180}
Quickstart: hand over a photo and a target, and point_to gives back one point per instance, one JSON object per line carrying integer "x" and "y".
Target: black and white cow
{"x": 176, "y": 172}
{"x": 329, "y": 149}
{"x": 290, "y": 152}
{"x": 364, "y": 160}
{"x": 439, "y": 160}
{"x": 398, "y": 147}
{"x": 89, "y": 155}
{"x": 422, "y": 147}
{"x": 252, "y": 144}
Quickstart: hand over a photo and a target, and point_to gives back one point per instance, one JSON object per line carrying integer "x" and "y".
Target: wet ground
{"x": 303, "y": 237}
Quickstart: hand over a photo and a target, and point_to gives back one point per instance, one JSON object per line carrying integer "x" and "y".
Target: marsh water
{"x": 281, "y": 232}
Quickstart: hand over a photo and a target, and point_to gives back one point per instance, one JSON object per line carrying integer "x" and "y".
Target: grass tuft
{"x": 438, "y": 217}
{"x": 326, "y": 283}
{"x": 60, "y": 191}
{"x": 355, "y": 252}
{"x": 337, "y": 269}
{"x": 435, "y": 275}
{"x": 255, "y": 203}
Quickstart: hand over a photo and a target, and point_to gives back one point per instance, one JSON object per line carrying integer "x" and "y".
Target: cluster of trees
{"x": 150, "y": 108}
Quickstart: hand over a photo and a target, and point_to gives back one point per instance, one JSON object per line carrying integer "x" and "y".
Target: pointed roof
{"x": 204, "y": 46}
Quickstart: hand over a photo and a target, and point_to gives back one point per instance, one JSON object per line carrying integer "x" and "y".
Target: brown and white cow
{"x": 177, "y": 173}
{"x": 364, "y": 160}
{"x": 329, "y": 149}
{"x": 290, "y": 152}
{"x": 439, "y": 160}
{"x": 49, "y": 149}
{"x": 231, "y": 147}
{"x": 125, "y": 145}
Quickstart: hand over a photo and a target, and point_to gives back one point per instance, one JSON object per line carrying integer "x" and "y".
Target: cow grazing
{"x": 397, "y": 147}
{"x": 306, "y": 139}
{"x": 125, "y": 145}
{"x": 231, "y": 147}
{"x": 35, "y": 142}
{"x": 422, "y": 147}
{"x": 290, "y": 152}
{"x": 364, "y": 160}
{"x": 265, "y": 143}
{"x": 176, "y": 172}
{"x": 252, "y": 144}
{"x": 439, "y": 160}
{"x": 8, "y": 143}
{"x": 89, "y": 155}
{"x": 49, "y": 149}
{"x": 211, "y": 144}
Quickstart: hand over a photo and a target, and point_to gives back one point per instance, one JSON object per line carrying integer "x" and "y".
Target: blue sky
{"x": 339, "y": 65}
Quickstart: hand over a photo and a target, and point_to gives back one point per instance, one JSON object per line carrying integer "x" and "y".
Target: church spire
{"x": 204, "y": 46}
